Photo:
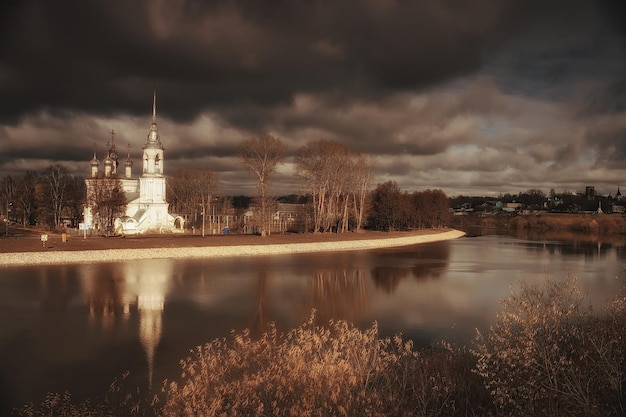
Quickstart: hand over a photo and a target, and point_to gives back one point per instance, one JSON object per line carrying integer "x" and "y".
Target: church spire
{"x": 153, "y": 135}
{"x": 153, "y": 148}
{"x": 154, "y": 107}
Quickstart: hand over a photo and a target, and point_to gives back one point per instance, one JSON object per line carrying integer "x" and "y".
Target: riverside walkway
{"x": 122, "y": 249}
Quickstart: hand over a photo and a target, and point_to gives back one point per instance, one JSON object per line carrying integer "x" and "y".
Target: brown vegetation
{"x": 547, "y": 355}
{"x": 317, "y": 371}
{"x": 546, "y": 222}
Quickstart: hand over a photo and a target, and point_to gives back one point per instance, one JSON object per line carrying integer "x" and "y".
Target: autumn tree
{"x": 385, "y": 206}
{"x": 429, "y": 209}
{"x": 261, "y": 156}
{"x": 194, "y": 188}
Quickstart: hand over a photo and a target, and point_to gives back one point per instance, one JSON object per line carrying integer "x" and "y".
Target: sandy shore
{"x": 114, "y": 255}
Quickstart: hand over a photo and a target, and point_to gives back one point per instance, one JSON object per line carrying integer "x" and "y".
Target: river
{"x": 77, "y": 327}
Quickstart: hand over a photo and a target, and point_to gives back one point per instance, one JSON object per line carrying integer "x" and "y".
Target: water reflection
{"x": 121, "y": 290}
{"x": 337, "y": 294}
{"x": 418, "y": 262}
{"x": 77, "y": 327}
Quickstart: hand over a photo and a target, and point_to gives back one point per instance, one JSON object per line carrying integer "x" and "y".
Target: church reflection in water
{"x": 132, "y": 288}
{"x": 211, "y": 298}
{"x": 77, "y": 327}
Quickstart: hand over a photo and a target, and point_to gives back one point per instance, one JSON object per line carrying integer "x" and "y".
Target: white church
{"x": 147, "y": 208}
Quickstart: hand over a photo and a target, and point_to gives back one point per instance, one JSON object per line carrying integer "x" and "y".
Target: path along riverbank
{"x": 214, "y": 250}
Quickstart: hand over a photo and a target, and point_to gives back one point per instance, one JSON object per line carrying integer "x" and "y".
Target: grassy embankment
{"x": 548, "y": 354}
{"x": 602, "y": 224}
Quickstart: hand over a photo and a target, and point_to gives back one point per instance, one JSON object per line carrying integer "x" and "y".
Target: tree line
{"x": 393, "y": 209}
{"x": 335, "y": 194}
{"x": 335, "y": 185}
{"x": 43, "y": 198}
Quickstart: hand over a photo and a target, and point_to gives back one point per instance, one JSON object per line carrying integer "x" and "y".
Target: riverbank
{"x": 28, "y": 250}
{"x": 591, "y": 224}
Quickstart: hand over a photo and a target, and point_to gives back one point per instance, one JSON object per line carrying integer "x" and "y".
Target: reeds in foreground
{"x": 548, "y": 354}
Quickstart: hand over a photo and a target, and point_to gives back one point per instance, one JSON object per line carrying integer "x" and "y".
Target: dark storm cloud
{"x": 458, "y": 94}
{"x": 101, "y": 57}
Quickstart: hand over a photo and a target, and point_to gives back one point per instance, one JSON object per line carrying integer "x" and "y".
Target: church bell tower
{"x": 152, "y": 180}
{"x": 153, "y": 148}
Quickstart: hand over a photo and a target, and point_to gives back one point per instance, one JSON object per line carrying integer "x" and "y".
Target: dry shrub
{"x": 336, "y": 370}
{"x": 549, "y": 355}
{"x": 56, "y": 404}
{"x": 121, "y": 400}
{"x": 519, "y": 223}
{"x": 611, "y": 224}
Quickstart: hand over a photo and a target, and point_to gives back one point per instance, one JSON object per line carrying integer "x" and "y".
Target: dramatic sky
{"x": 474, "y": 97}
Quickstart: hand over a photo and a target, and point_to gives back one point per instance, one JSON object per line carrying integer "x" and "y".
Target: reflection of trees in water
{"x": 585, "y": 248}
{"x": 568, "y": 246}
{"x": 621, "y": 252}
{"x": 421, "y": 261}
{"x": 260, "y": 318}
{"x": 56, "y": 291}
{"x": 387, "y": 278}
{"x": 103, "y": 294}
{"x": 337, "y": 294}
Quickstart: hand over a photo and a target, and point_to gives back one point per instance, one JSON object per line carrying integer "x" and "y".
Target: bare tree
{"x": 362, "y": 175}
{"x": 338, "y": 179}
{"x": 193, "y": 189}
{"x": 26, "y": 195}
{"x": 55, "y": 182}
{"x": 76, "y": 195}
{"x": 7, "y": 192}
{"x": 261, "y": 156}
{"x": 312, "y": 165}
